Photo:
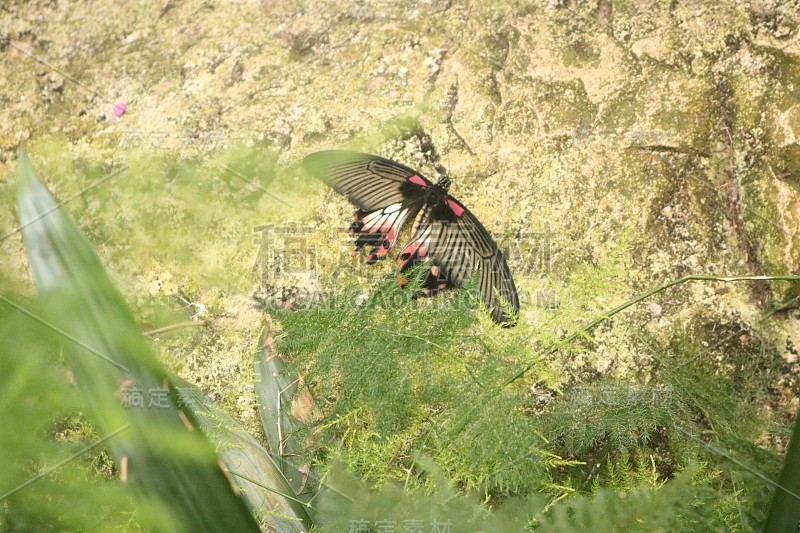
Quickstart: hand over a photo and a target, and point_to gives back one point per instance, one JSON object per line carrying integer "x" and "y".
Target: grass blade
{"x": 280, "y": 400}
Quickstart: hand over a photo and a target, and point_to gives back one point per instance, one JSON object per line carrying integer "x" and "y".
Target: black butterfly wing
{"x": 386, "y": 193}
{"x": 368, "y": 181}
{"x": 456, "y": 244}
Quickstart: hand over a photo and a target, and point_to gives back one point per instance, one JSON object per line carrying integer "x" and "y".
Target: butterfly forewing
{"x": 368, "y": 181}
{"x": 386, "y": 193}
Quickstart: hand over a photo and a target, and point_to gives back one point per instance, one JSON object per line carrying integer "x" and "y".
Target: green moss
{"x": 580, "y": 53}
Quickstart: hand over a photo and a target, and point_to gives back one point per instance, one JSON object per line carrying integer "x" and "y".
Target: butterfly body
{"x": 438, "y": 191}
{"x": 447, "y": 236}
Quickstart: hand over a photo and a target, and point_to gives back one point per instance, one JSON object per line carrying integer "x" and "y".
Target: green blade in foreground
{"x": 160, "y": 449}
{"x": 784, "y": 512}
{"x": 267, "y": 491}
{"x": 279, "y": 397}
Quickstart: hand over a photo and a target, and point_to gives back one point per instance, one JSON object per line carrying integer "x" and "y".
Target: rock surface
{"x": 634, "y": 141}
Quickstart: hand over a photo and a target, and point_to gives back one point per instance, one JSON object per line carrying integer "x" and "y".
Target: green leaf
{"x": 260, "y": 479}
{"x": 784, "y": 513}
{"x": 159, "y": 450}
{"x": 278, "y": 392}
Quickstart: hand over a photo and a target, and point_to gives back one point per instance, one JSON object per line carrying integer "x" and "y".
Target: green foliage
{"x": 348, "y": 502}
{"x": 406, "y": 384}
{"x": 41, "y": 428}
{"x": 260, "y": 480}
{"x": 397, "y": 381}
{"x": 722, "y": 420}
{"x": 157, "y": 444}
{"x": 784, "y": 513}
{"x": 679, "y": 505}
{"x": 608, "y": 412}
{"x": 688, "y": 414}
{"x": 399, "y": 376}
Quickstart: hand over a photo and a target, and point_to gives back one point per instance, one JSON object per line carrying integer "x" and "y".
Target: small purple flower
{"x": 120, "y": 108}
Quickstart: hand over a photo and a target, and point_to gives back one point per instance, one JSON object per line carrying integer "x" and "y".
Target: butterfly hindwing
{"x": 386, "y": 193}
{"x": 379, "y": 228}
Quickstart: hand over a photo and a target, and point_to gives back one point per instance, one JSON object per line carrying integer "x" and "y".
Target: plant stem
{"x": 602, "y": 318}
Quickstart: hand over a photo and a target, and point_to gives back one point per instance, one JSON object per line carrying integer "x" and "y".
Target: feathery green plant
{"x": 399, "y": 381}
{"x": 400, "y": 373}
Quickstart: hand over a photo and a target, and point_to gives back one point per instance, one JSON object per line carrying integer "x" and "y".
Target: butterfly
{"x": 447, "y": 236}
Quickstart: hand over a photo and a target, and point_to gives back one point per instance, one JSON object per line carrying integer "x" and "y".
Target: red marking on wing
{"x": 416, "y": 250}
{"x": 387, "y": 243}
{"x": 379, "y": 228}
{"x": 417, "y": 180}
{"x": 408, "y": 250}
{"x": 457, "y": 209}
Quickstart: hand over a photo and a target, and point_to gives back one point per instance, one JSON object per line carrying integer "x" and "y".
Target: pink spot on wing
{"x": 416, "y": 180}
{"x": 408, "y": 252}
{"x": 457, "y": 209}
{"x": 369, "y": 217}
{"x": 410, "y": 248}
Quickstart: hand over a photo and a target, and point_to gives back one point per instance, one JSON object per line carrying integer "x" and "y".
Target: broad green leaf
{"x": 265, "y": 488}
{"x": 160, "y": 449}
{"x": 784, "y": 512}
